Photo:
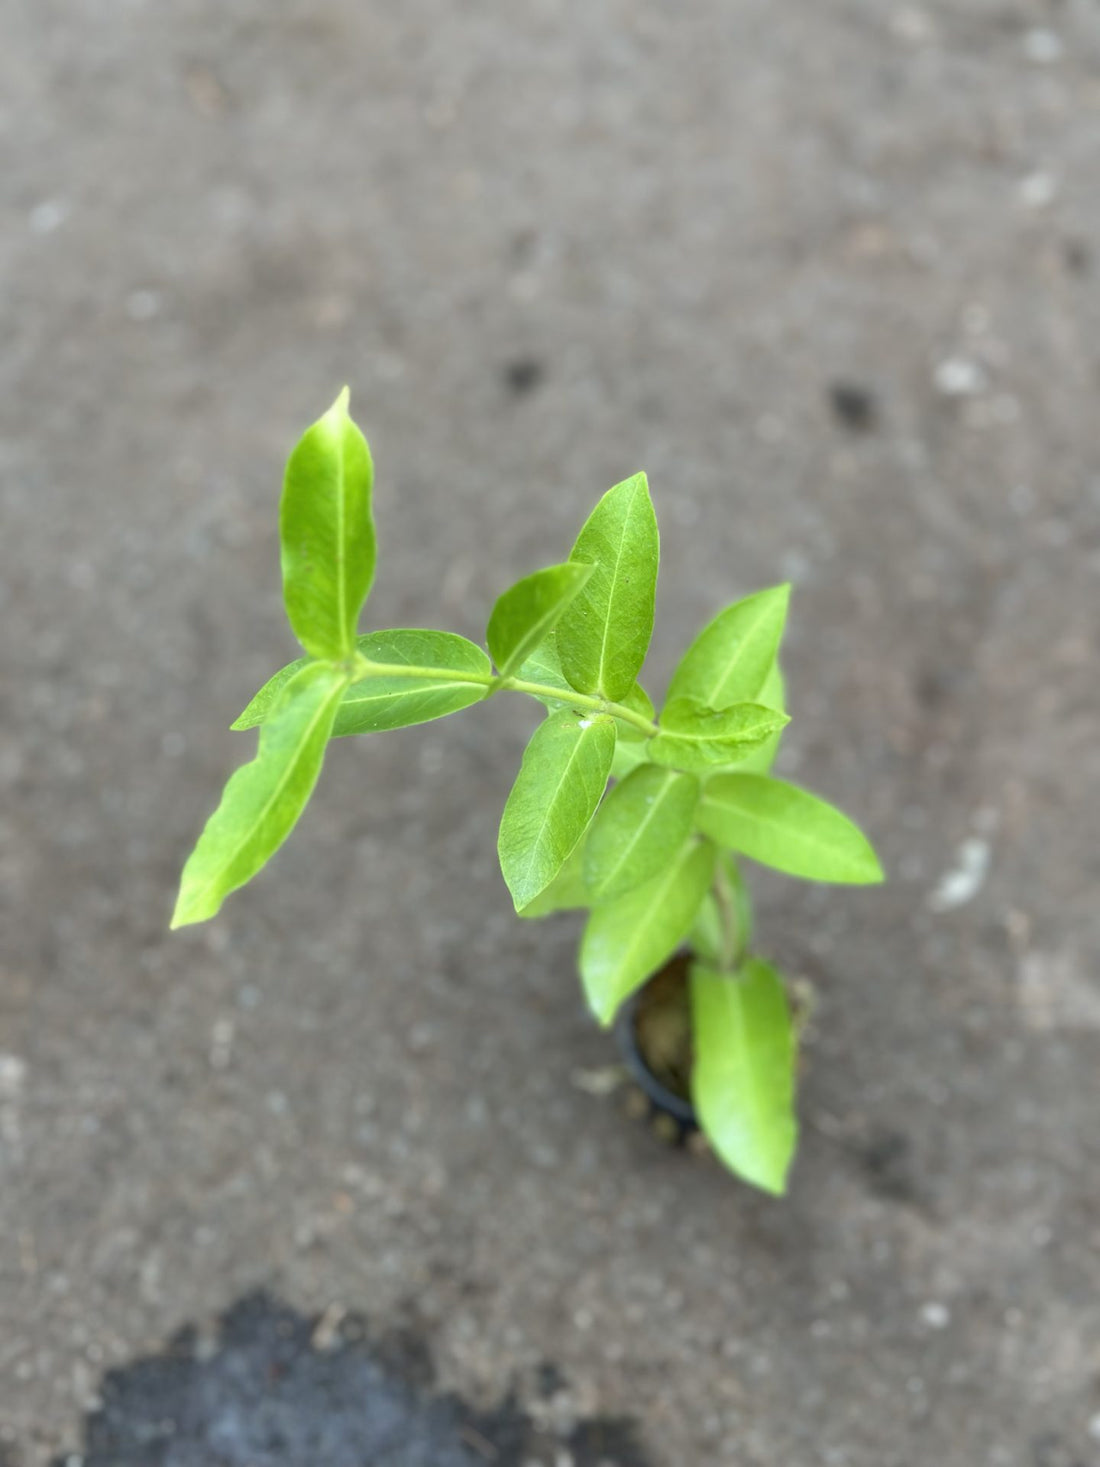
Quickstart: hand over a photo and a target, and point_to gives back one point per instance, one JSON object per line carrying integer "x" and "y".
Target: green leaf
{"x": 628, "y": 757}
{"x": 560, "y": 783}
{"x": 327, "y": 534}
{"x": 696, "y": 737}
{"x": 743, "y": 1078}
{"x": 639, "y": 701}
{"x": 636, "y": 828}
{"x": 456, "y": 674}
{"x": 259, "y": 709}
{"x": 730, "y": 659}
{"x": 451, "y": 674}
{"x": 565, "y": 892}
{"x": 543, "y": 666}
{"x": 783, "y": 826}
{"x": 264, "y": 798}
{"x": 773, "y": 695}
{"x": 604, "y": 634}
{"x": 628, "y": 939}
{"x": 526, "y": 613}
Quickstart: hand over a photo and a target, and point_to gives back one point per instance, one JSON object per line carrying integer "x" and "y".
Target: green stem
{"x": 727, "y": 911}
{"x": 365, "y": 668}
{"x": 581, "y": 700}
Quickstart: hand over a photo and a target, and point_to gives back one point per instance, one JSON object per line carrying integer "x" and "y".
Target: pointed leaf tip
{"x": 604, "y": 633}
{"x": 326, "y": 529}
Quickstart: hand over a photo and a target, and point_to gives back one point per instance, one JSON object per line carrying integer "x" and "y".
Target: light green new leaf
{"x": 773, "y": 695}
{"x": 730, "y": 659}
{"x": 628, "y": 939}
{"x": 696, "y": 737}
{"x": 565, "y": 892}
{"x": 327, "y": 533}
{"x": 451, "y": 674}
{"x": 742, "y": 1082}
{"x": 604, "y": 634}
{"x": 638, "y": 827}
{"x": 264, "y": 798}
{"x": 783, "y": 826}
{"x": 560, "y": 783}
{"x": 455, "y": 674}
{"x": 527, "y": 613}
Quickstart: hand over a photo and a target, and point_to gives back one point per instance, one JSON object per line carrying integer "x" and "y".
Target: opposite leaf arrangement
{"x": 637, "y": 817}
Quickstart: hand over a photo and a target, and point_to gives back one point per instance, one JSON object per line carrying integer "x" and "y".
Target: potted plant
{"x": 639, "y": 818}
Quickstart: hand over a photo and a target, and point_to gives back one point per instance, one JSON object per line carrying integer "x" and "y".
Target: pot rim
{"x": 665, "y": 1100}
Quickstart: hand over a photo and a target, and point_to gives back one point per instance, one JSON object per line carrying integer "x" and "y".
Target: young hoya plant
{"x": 640, "y": 817}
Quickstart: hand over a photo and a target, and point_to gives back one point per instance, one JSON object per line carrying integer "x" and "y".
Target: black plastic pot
{"x": 662, "y": 1100}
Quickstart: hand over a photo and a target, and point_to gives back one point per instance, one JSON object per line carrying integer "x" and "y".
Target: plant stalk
{"x": 493, "y": 683}
{"x": 731, "y": 954}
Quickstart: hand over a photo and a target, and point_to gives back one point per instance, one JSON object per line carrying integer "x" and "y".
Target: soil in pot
{"x": 654, "y": 1033}
{"x": 655, "y": 1037}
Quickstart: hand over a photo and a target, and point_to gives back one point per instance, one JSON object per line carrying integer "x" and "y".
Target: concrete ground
{"x": 828, "y": 271}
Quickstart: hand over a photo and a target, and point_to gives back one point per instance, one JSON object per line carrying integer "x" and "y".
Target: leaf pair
{"x": 599, "y": 604}
{"x": 584, "y": 627}
{"x": 328, "y": 554}
{"x": 635, "y": 865}
{"x": 637, "y": 831}
{"x": 725, "y": 700}
{"x": 735, "y": 659}
{"x": 418, "y": 675}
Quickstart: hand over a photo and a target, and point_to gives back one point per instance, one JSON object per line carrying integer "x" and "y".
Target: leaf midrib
{"x": 748, "y": 1065}
{"x": 739, "y": 656}
{"x": 671, "y": 777}
{"x": 611, "y": 593}
{"x": 734, "y": 736}
{"x": 550, "y": 805}
{"x": 408, "y": 688}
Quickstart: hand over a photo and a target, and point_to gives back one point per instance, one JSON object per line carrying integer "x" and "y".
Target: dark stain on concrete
{"x": 279, "y": 1390}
